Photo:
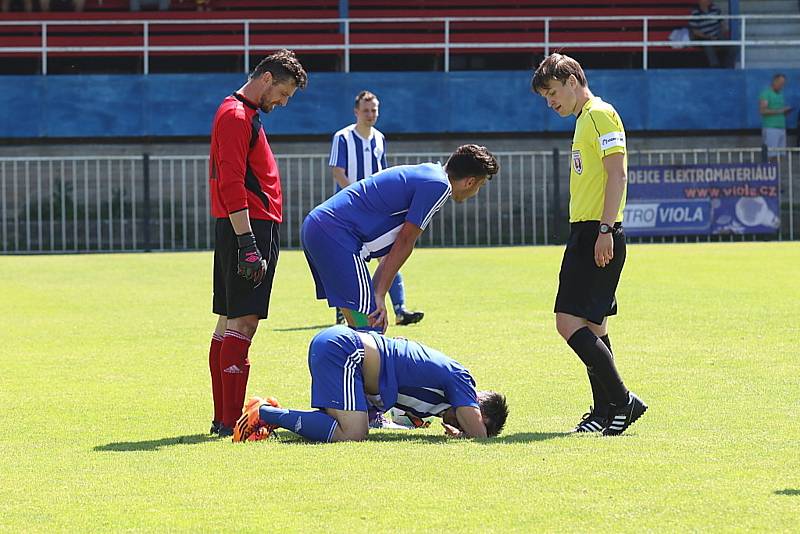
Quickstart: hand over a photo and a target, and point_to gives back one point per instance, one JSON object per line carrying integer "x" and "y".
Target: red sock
{"x": 235, "y": 370}
{"x": 216, "y": 375}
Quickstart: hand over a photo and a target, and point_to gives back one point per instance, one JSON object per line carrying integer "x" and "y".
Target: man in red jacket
{"x": 246, "y": 202}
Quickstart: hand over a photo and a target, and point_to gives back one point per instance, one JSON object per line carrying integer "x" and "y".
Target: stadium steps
{"x": 777, "y": 57}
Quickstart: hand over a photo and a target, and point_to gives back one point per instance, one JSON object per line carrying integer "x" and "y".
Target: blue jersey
{"x": 366, "y": 216}
{"x": 421, "y": 380}
{"x": 360, "y": 158}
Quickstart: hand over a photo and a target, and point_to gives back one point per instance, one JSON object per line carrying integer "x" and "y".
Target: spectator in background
{"x": 202, "y": 5}
{"x": 773, "y": 116}
{"x": 710, "y": 29}
{"x": 5, "y": 6}
{"x": 161, "y": 5}
{"x": 44, "y": 5}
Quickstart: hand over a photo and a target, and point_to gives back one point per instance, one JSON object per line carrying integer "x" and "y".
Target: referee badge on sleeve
{"x": 577, "y": 162}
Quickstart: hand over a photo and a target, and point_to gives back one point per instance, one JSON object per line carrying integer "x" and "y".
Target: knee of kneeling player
{"x": 353, "y": 433}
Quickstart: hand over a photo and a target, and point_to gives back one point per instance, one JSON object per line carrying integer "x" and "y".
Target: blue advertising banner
{"x": 737, "y": 198}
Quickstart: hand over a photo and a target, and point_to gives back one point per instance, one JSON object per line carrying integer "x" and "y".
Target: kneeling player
{"x": 352, "y": 370}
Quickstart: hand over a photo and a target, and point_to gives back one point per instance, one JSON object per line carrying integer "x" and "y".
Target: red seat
{"x": 265, "y": 33}
{"x": 518, "y": 31}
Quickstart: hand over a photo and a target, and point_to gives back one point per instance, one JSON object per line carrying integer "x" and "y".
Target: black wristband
{"x": 246, "y": 240}
{"x": 606, "y": 228}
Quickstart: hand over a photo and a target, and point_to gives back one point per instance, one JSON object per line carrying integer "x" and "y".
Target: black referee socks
{"x": 600, "y": 363}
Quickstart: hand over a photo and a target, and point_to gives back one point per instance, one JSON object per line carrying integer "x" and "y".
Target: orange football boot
{"x": 249, "y": 426}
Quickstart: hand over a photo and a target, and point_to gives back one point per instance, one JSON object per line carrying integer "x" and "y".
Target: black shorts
{"x": 233, "y": 295}
{"x": 584, "y": 289}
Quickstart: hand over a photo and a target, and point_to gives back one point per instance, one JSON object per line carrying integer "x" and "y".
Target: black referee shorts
{"x": 233, "y": 295}
{"x": 584, "y": 289}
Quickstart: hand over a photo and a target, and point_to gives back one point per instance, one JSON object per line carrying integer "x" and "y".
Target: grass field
{"x": 104, "y": 396}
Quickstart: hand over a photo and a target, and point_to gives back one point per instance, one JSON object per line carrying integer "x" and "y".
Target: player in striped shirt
{"x": 359, "y": 151}
{"x": 352, "y": 370}
{"x": 709, "y": 28}
{"x": 383, "y": 216}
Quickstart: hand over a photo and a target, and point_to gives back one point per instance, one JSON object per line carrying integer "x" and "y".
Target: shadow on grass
{"x": 155, "y": 444}
{"x": 410, "y": 435}
{"x": 296, "y": 328}
{"x": 520, "y": 437}
{"x": 526, "y": 437}
{"x": 788, "y": 491}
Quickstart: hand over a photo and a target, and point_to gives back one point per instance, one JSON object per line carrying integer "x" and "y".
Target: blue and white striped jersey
{"x": 366, "y": 216}
{"x": 421, "y": 380}
{"x": 360, "y": 158}
{"x": 710, "y": 26}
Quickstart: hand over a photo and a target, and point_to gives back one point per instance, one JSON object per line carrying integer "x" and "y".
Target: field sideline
{"x": 106, "y": 400}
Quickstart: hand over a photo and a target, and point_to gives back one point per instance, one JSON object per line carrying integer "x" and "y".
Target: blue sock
{"x": 397, "y": 293}
{"x": 313, "y": 425}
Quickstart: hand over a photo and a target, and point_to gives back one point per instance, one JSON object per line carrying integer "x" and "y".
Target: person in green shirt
{"x": 773, "y": 116}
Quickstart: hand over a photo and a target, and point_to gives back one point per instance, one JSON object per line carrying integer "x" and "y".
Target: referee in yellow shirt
{"x": 595, "y": 251}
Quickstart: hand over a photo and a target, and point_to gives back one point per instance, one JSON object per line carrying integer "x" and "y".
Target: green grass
{"x": 105, "y": 403}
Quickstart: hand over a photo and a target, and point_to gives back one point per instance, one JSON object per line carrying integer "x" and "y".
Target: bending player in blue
{"x": 358, "y": 152}
{"x": 351, "y": 370}
{"x": 382, "y": 217}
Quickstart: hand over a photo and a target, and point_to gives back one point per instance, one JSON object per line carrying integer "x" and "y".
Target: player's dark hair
{"x": 284, "y": 66}
{"x": 556, "y": 67}
{"x": 778, "y": 75}
{"x": 363, "y": 96}
{"x": 471, "y": 160}
{"x": 494, "y": 410}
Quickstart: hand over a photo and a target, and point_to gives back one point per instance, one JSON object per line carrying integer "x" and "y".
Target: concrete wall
{"x": 430, "y": 103}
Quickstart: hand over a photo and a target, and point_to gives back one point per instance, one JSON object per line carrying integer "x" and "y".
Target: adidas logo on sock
{"x": 298, "y": 425}
{"x": 233, "y": 369}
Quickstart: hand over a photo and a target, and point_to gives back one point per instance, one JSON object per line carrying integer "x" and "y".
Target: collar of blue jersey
{"x": 241, "y": 98}
{"x": 371, "y": 134}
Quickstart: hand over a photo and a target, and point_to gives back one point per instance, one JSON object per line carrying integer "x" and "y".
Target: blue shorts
{"x": 340, "y": 275}
{"x": 335, "y": 357}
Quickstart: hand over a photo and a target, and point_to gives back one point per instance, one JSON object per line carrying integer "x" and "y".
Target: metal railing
{"x": 129, "y": 203}
{"x": 443, "y": 41}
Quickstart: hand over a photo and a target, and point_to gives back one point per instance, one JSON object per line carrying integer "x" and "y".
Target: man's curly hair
{"x": 471, "y": 160}
{"x": 284, "y": 66}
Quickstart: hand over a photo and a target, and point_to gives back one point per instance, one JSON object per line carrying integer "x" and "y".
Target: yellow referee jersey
{"x": 598, "y": 133}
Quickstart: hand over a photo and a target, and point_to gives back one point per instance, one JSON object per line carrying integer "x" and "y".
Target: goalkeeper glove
{"x": 252, "y": 265}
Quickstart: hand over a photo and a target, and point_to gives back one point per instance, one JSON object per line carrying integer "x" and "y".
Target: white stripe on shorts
{"x": 364, "y": 293}
{"x": 349, "y": 379}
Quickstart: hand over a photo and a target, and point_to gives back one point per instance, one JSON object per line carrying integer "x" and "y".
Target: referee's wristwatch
{"x": 606, "y": 229}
